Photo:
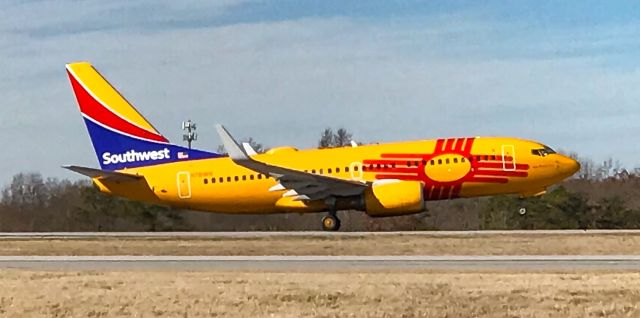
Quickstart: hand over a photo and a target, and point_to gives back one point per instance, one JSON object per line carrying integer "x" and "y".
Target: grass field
{"x": 345, "y": 294}
{"x": 520, "y": 244}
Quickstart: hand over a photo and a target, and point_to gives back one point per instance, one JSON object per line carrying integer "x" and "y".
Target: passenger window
{"x": 206, "y": 181}
{"x": 408, "y": 163}
{"x": 424, "y": 162}
{"x": 337, "y": 170}
{"x": 447, "y": 160}
{"x": 439, "y": 161}
{"x": 346, "y": 169}
{"x": 251, "y": 177}
{"x": 432, "y": 162}
{"x": 213, "y": 180}
{"x": 329, "y": 171}
{"x": 364, "y": 168}
{"x": 455, "y": 160}
{"x": 462, "y": 159}
{"x": 221, "y": 180}
{"x": 355, "y": 168}
{"x": 259, "y": 176}
{"x": 313, "y": 170}
{"x": 493, "y": 157}
{"x": 393, "y": 165}
{"x": 236, "y": 178}
{"x": 320, "y": 171}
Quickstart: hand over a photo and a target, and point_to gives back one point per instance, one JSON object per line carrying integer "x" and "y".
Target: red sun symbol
{"x": 452, "y": 155}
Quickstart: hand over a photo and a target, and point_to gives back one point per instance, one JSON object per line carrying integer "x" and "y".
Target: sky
{"x": 565, "y": 73}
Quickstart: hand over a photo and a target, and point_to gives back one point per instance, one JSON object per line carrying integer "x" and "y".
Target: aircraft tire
{"x": 330, "y": 223}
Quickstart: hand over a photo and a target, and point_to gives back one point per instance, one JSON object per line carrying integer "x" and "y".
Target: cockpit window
{"x": 543, "y": 152}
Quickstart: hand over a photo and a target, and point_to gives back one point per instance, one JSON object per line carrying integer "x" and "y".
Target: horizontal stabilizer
{"x": 104, "y": 174}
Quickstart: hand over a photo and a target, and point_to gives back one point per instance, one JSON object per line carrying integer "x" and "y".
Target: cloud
{"x": 283, "y": 81}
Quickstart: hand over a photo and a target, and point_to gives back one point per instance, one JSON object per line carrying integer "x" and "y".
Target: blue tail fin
{"x": 121, "y": 136}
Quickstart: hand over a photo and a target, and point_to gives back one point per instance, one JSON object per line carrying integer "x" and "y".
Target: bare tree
{"x": 25, "y": 190}
{"x": 326, "y": 139}
{"x": 330, "y": 139}
{"x": 258, "y": 147}
{"x": 342, "y": 138}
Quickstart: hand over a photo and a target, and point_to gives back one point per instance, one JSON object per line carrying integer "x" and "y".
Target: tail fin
{"x": 121, "y": 137}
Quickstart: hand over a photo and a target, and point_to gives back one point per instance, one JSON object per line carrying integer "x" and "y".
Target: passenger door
{"x": 508, "y": 158}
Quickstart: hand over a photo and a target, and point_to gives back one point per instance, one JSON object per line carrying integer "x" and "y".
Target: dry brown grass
{"x": 346, "y": 294}
{"x": 587, "y": 244}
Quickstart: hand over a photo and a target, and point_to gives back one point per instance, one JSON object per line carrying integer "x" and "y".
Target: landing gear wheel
{"x": 330, "y": 223}
{"x": 522, "y": 211}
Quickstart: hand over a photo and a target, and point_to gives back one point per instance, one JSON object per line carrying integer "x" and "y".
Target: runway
{"x": 84, "y": 235}
{"x": 324, "y": 263}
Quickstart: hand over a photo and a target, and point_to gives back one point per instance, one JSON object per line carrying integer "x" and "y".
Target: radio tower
{"x": 191, "y": 135}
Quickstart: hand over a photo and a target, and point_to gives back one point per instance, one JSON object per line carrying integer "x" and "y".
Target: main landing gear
{"x": 331, "y": 221}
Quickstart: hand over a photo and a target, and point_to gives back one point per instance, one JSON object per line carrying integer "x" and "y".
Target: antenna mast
{"x": 190, "y": 134}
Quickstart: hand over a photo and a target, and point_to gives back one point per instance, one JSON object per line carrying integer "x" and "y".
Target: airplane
{"x": 387, "y": 179}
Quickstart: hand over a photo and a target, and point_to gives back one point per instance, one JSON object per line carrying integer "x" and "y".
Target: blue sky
{"x": 565, "y": 73}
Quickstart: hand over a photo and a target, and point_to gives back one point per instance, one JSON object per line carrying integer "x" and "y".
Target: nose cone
{"x": 568, "y": 166}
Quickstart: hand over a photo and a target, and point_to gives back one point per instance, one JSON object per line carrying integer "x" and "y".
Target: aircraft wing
{"x": 104, "y": 174}
{"x": 302, "y": 186}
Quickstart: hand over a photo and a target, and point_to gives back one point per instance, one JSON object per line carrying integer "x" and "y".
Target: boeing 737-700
{"x": 388, "y": 179}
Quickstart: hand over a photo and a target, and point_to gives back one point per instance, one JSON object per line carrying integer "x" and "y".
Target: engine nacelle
{"x": 394, "y": 197}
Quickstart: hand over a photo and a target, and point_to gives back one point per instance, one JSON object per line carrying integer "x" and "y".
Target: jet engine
{"x": 394, "y": 197}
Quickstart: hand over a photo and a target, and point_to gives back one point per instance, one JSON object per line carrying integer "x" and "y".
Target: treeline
{"x": 604, "y": 196}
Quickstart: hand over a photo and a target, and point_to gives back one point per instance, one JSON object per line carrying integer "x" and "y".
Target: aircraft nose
{"x": 568, "y": 166}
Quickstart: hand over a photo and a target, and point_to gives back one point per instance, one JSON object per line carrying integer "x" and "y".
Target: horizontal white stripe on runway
{"x": 326, "y": 263}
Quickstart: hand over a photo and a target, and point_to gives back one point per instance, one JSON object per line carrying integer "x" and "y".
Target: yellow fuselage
{"x": 449, "y": 168}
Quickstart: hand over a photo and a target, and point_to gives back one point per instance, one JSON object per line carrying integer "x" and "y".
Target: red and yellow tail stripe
{"x": 102, "y": 104}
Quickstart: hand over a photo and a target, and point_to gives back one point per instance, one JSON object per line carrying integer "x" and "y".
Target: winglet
{"x": 248, "y": 149}
{"x": 233, "y": 148}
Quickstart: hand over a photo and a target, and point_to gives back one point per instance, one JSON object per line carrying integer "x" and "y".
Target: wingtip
{"x": 233, "y": 148}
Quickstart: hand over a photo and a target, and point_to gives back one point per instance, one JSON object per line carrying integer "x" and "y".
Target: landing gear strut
{"x": 331, "y": 221}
